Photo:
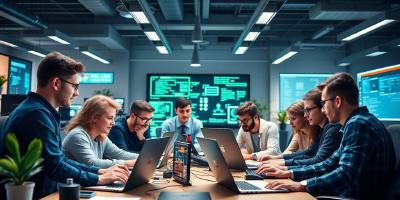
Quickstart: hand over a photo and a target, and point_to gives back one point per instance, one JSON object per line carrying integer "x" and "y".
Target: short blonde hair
{"x": 94, "y": 107}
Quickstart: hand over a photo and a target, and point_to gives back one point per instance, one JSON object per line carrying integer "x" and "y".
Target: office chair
{"x": 2, "y": 121}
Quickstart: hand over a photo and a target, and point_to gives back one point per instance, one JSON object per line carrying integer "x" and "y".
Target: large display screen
{"x": 380, "y": 92}
{"x": 97, "y": 78}
{"x": 293, "y": 87}
{"x": 214, "y": 97}
{"x": 19, "y": 76}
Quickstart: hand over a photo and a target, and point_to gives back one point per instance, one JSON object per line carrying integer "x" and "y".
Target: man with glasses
{"x": 327, "y": 141}
{"x": 183, "y": 123}
{"x": 363, "y": 166}
{"x": 37, "y": 117}
{"x": 131, "y": 132}
{"x": 258, "y": 136}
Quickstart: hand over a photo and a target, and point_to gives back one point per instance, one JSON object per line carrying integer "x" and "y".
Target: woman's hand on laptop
{"x": 277, "y": 172}
{"x": 130, "y": 163}
{"x": 275, "y": 162}
{"x": 113, "y": 173}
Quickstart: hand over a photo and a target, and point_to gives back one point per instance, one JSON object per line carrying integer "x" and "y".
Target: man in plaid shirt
{"x": 364, "y": 163}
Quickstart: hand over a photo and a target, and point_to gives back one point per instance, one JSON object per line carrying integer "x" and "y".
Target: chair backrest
{"x": 2, "y": 121}
{"x": 394, "y": 131}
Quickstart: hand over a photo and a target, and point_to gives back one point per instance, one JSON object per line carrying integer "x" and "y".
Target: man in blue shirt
{"x": 131, "y": 132}
{"x": 183, "y": 123}
{"x": 363, "y": 165}
{"x": 37, "y": 117}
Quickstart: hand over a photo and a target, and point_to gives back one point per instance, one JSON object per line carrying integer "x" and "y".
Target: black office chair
{"x": 2, "y": 121}
{"x": 394, "y": 190}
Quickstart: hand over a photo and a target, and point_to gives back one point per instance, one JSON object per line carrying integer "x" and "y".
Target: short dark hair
{"x": 139, "y": 106}
{"x": 56, "y": 64}
{"x": 314, "y": 95}
{"x": 247, "y": 107}
{"x": 182, "y": 102}
{"x": 343, "y": 85}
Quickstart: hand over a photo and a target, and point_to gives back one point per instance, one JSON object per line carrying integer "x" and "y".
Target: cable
{"x": 203, "y": 178}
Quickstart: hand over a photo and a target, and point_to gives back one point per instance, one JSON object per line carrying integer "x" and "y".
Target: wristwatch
{"x": 303, "y": 183}
{"x": 254, "y": 156}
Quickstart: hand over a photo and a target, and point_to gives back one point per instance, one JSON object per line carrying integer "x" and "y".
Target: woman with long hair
{"x": 86, "y": 140}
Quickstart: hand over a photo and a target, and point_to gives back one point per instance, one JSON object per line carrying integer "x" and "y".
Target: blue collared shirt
{"x": 363, "y": 165}
{"x": 192, "y": 126}
{"x": 36, "y": 118}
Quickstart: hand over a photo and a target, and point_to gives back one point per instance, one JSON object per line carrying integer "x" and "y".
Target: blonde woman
{"x": 304, "y": 135}
{"x": 86, "y": 140}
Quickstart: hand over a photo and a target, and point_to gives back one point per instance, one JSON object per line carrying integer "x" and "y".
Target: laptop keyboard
{"x": 243, "y": 185}
{"x": 116, "y": 185}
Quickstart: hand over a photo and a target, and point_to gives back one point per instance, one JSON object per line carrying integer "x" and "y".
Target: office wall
{"x": 306, "y": 61}
{"x": 119, "y": 65}
{"x": 214, "y": 61}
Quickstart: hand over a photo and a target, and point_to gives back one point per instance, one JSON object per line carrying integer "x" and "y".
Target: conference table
{"x": 202, "y": 181}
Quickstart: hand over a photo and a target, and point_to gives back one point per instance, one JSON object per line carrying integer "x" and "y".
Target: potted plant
{"x": 282, "y": 118}
{"x": 3, "y": 79}
{"x": 19, "y": 169}
{"x": 262, "y": 108}
{"x": 105, "y": 92}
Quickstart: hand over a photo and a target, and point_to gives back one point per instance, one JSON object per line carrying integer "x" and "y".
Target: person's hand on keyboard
{"x": 114, "y": 173}
{"x": 269, "y": 157}
{"x": 273, "y": 171}
{"x": 286, "y": 184}
{"x": 130, "y": 163}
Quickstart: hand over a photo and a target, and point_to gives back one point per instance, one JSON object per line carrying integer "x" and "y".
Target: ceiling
{"x": 99, "y": 23}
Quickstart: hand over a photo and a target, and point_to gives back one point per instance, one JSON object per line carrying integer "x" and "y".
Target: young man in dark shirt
{"x": 37, "y": 117}
{"x": 131, "y": 132}
{"x": 363, "y": 166}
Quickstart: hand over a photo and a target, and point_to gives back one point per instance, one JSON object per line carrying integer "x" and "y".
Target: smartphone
{"x": 87, "y": 194}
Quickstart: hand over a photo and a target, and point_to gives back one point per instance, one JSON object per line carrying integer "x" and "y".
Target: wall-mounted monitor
{"x": 19, "y": 76}
{"x": 214, "y": 97}
{"x": 293, "y": 87}
{"x": 97, "y": 78}
{"x": 380, "y": 92}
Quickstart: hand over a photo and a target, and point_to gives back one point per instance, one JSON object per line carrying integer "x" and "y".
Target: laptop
{"x": 144, "y": 167}
{"x": 230, "y": 148}
{"x": 168, "y": 149}
{"x": 222, "y": 174}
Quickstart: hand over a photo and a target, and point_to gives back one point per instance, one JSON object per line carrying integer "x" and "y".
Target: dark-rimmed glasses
{"x": 308, "y": 110}
{"x": 76, "y": 86}
{"x": 324, "y": 101}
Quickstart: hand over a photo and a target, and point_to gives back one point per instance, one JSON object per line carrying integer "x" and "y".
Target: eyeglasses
{"x": 244, "y": 121}
{"x": 324, "y": 101}
{"x": 75, "y": 85}
{"x": 145, "y": 120}
{"x": 307, "y": 110}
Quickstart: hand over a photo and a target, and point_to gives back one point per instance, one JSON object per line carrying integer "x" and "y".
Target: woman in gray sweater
{"x": 86, "y": 140}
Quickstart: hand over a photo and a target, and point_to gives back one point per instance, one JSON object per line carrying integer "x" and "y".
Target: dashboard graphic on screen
{"x": 214, "y": 97}
{"x": 380, "y": 92}
{"x": 292, "y": 87}
{"x": 19, "y": 76}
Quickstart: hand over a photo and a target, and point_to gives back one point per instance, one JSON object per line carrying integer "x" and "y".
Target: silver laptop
{"x": 144, "y": 167}
{"x": 168, "y": 149}
{"x": 230, "y": 148}
{"x": 222, "y": 174}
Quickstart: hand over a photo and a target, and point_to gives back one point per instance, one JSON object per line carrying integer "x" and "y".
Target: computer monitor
{"x": 380, "y": 91}
{"x": 121, "y": 101}
{"x": 74, "y": 109}
{"x": 10, "y": 101}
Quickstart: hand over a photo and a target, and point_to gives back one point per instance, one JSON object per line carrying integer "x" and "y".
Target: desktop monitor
{"x": 380, "y": 91}
{"x": 293, "y": 87}
{"x": 214, "y": 97}
{"x": 121, "y": 101}
{"x": 10, "y": 101}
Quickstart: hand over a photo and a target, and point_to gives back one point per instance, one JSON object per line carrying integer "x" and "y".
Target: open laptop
{"x": 230, "y": 148}
{"x": 144, "y": 167}
{"x": 168, "y": 149}
{"x": 222, "y": 174}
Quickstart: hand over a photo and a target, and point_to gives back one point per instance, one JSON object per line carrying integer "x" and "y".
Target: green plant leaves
{"x": 13, "y": 147}
{"x": 17, "y": 168}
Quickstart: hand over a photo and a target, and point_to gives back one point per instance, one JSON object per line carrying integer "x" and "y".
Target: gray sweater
{"x": 78, "y": 146}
